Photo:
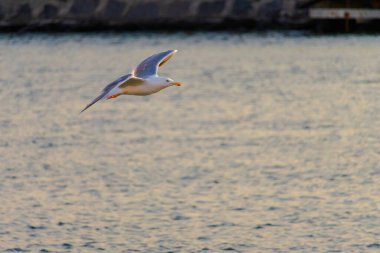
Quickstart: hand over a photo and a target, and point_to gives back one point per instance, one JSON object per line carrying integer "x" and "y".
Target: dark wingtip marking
{"x": 94, "y": 101}
{"x": 85, "y": 108}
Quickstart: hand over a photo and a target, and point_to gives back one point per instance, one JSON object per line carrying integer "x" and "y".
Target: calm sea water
{"x": 272, "y": 145}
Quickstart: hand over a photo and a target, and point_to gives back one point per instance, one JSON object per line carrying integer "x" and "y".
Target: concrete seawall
{"x": 151, "y": 14}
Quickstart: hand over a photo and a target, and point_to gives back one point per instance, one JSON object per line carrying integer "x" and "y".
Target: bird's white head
{"x": 164, "y": 81}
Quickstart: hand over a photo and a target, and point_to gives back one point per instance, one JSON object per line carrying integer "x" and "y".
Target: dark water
{"x": 272, "y": 145}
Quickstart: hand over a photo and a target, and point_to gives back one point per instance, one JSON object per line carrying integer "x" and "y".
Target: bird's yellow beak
{"x": 177, "y": 83}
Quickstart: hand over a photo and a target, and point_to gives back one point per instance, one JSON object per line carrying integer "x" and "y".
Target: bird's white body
{"x": 150, "y": 86}
{"x": 142, "y": 81}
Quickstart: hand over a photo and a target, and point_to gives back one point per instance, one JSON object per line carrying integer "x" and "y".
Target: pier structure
{"x": 349, "y": 11}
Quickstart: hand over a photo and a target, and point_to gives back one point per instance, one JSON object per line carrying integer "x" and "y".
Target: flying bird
{"x": 143, "y": 80}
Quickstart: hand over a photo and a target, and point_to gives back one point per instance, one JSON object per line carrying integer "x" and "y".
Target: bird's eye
{"x": 167, "y": 81}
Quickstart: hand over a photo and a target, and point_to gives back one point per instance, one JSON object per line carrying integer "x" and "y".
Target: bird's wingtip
{"x": 94, "y": 101}
{"x": 84, "y": 109}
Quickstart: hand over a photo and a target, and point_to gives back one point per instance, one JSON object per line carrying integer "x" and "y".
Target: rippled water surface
{"x": 272, "y": 145}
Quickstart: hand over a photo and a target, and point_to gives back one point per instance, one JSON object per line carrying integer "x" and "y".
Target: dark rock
{"x": 84, "y": 7}
{"x": 178, "y": 6}
{"x": 23, "y": 15}
{"x": 268, "y": 12}
{"x": 143, "y": 12}
{"x": 113, "y": 9}
{"x": 306, "y": 3}
{"x": 211, "y": 8}
{"x": 1, "y": 14}
{"x": 49, "y": 11}
{"x": 155, "y": 13}
{"x": 241, "y": 7}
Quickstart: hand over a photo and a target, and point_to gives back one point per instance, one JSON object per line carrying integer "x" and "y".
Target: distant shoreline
{"x": 187, "y": 29}
{"x": 169, "y": 15}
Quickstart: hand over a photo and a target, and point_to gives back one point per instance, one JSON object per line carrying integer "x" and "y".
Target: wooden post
{"x": 347, "y": 18}
{"x": 347, "y": 22}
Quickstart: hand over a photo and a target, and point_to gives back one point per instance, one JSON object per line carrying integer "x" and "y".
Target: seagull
{"x": 143, "y": 80}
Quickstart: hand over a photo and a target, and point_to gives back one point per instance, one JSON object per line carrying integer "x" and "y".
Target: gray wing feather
{"x": 132, "y": 81}
{"x": 150, "y": 65}
{"x": 107, "y": 89}
{"x": 116, "y": 82}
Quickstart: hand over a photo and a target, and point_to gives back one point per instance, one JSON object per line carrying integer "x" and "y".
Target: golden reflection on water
{"x": 272, "y": 150}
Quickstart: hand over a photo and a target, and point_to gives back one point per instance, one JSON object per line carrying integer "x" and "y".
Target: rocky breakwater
{"x": 151, "y": 14}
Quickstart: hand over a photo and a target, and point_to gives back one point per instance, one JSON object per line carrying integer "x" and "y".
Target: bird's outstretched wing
{"x": 132, "y": 81}
{"x": 107, "y": 89}
{"x": 115, "y": 83}
{"x": 150, "y": 65}
{"x": 122, "y": 82}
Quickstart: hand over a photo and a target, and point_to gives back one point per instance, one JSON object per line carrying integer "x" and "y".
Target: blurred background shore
{"x": 96, "y": 15}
